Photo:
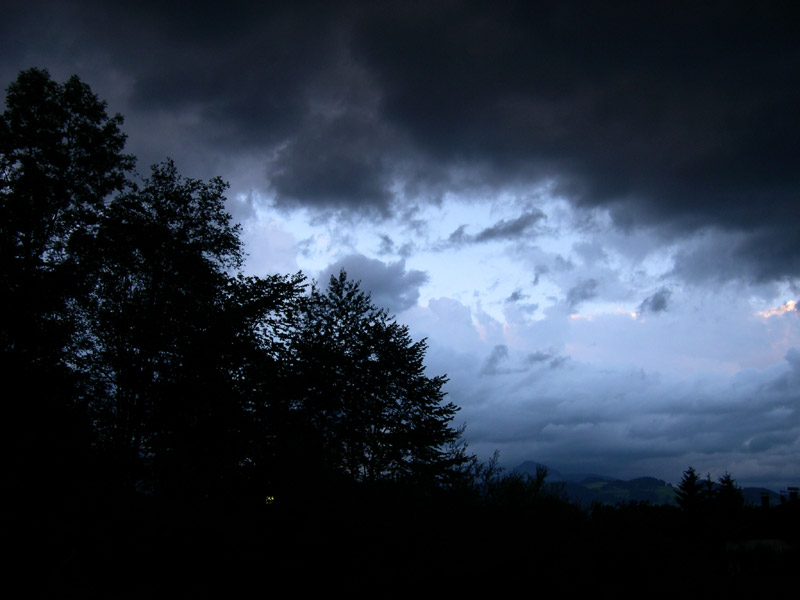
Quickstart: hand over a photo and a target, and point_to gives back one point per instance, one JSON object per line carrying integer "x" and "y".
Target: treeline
{"x": 697, "y": 496}
{"x": 137, "y": 355}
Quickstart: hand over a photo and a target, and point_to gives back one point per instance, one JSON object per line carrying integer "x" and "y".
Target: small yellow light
{"x": 270, "y": 499}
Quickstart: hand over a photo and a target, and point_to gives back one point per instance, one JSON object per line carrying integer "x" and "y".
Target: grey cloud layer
{"x": 584, "y": 290}
{"x": 391, "y": 285}
{"x": 655, "y": 303}
{"x": 617, "y": 422}
{"x": 681, "y": 114}
{"x": 497, "y": 363}
{"x": 503, "y": 230}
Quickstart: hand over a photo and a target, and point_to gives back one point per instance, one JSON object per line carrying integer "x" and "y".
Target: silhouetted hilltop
{"x": 529, "y": 467}
{"x": 586, "y": 489}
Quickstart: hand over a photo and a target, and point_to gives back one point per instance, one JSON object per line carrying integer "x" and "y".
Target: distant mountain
{"x": 615, "y": 491}
{"x": 585, "y": 489}
{"x": 530, "y": 466}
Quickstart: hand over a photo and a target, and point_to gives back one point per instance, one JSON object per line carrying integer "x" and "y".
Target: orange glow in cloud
{"x": 576, "y": 317}
{"x": 790, "y": 306}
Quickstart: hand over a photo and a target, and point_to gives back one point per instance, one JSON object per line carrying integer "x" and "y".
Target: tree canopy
{"x": 129, "y": 310}
{"x": 61, "y": 157}
{"x": 689, "y": 494}
{"x": 361, "y": 387}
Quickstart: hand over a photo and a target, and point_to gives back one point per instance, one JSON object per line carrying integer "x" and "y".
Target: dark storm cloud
{"x": 334, "y": 162}
{"x": 504, "y": 229}
{"x": 538, "y": 271}
{"x": 392, "y": 287}
{"x": 516, "y": 296}
{"x": 678, "y": 115}
{"x": 655, "y": 303}
{"x": 240, "y": 62}
{"x": 232, "y": 77}
{"x": 510, "y": 228}
{"x": 611, "y": 419}
{"x": 387, "y": 244}
{"x": 789, "y": 382}
{"x": 584, "y": 290}
{"x": 551, "y": 357}
{"x": 459, "y": 236}
{"x": 770, "y": 441}
{"x": 497, "y": 361}
{"x": 539, "y": 356}
{"x": 498, "y": 356}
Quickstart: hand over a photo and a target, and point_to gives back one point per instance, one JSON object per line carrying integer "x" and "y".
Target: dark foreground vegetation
{"x": 173, "y": 427}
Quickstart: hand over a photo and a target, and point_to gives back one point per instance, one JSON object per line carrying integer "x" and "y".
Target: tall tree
{"x": 253, "y": 334}
{"x": 60, "y": 158}
{"x": 729, "y": 496}
{"x": 360, "y": 386}
{"x": 123, "y": 302}
{"x": 689, "y": 494}
{"x": 184, "y": 346}
{"x": 163, "y": 252}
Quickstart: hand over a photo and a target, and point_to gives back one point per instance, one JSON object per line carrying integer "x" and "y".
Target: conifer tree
{"x": 361, "y": 386}
{"x": 689, "y": 494}
{"x": 730, "y": 498}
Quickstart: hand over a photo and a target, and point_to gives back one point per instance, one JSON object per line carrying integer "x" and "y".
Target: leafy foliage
{"x": 360, "y": 386}
{"x": 153, "y": 319}
{"x": 60, "y": 158}
{"x": 190, "y": 378}
{"x": 514, "y": 490}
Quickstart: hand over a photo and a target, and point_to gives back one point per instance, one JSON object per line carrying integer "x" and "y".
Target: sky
{"x": 589, "y": 209}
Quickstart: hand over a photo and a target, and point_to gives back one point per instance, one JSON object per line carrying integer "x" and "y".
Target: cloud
{"x": 506, "y": 229}
{"x": 336, "y": 162}
{"x": 551, "y": 357}
{"x": 770, "y": 441}
{"x": 497, "y": 361}
{"x": 499, "y": 355}
{"x": 655, "y": 303}
{"x": 458, "y": 237}
{"x": 669, "y": 122}
{"x": 538, "y": 271}
{"x": 271, "y": 249}
{"x": 516, "y": 296}
{"x": 787, "y": 307}
{"x": 392, "y": 287}
{"x": 387, "y": 244}
{"x": 626, "y": 423}
{"x": 582, "y": 291}
{"x": 503, "y": 230}
{"x": 539, "y": 356}
{"x": 626, "y": 107}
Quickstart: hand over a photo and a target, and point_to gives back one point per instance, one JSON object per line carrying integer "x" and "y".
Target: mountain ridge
{"x": 586, "y": 489}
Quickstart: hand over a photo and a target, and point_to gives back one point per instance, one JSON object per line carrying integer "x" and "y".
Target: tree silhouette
{"x": 361, "y": 388}
{"x": 133, "y": 330}
{"x": 161, "y": 255}
{"x": 60, "y": 158}
{"x": 689, "y": 494}
{"x": 729, "y": 497}
{"x": 252, "y": 337}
